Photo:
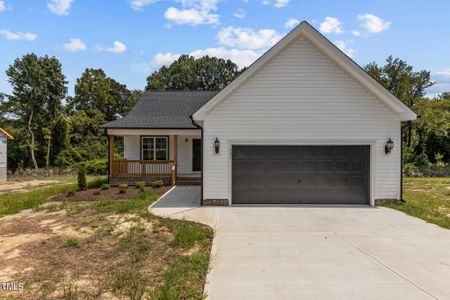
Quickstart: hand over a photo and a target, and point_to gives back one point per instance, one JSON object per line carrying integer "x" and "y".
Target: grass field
{"x": 428, "y": 199}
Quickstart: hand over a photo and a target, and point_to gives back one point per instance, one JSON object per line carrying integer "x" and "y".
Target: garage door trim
{"x": 372, "y": 163}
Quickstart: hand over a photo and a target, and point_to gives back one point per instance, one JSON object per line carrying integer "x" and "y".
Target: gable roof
{"x": 5, "y": 133}
{"x": 166, "y": 109}
{"x": 311, "y": 34}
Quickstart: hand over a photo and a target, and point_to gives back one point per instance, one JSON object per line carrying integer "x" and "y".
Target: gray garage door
{"x": 300, "y": 174}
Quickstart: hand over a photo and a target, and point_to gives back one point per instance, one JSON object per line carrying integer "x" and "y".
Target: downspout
{"x": 201, "y": 159}
{"x": 402, "y": 127}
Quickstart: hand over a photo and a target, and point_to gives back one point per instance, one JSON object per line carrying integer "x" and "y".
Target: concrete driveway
{"x": 298, "y": 252}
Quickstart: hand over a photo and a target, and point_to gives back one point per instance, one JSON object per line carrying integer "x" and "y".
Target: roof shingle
{"x": 163, "y": 110}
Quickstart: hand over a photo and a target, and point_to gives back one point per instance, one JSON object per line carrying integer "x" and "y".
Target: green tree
{"x": 189, "y": 73}
{"x": 400, "y": 79}
{"x": 94, "y": 91}
{"x": 38, "y": 89}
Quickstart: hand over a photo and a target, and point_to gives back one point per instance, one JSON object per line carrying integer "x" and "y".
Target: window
{"x": 155, "y": 148}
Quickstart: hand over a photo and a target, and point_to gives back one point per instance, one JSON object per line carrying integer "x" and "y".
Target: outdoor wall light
{"x": 217, "y": 146}
{"x": 389, "y": 146}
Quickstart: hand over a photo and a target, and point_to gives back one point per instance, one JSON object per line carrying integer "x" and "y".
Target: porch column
{"x": 175, "y": 156}
{"x": 111, "y": 147}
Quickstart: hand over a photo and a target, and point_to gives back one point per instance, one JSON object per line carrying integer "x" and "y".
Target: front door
{"x": 196, "y": 155}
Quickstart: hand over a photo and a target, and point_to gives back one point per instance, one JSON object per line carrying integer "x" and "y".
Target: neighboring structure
{"x": 4, "y": 137}
{"x": 304, "y": 124}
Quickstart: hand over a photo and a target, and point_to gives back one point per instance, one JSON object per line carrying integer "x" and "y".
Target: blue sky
{"x": 131, "y": 38}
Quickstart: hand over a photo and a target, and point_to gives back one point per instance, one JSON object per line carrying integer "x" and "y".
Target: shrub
{"x": 140, "y": 185}
{"x": 123, "y": 188}
{"x": 94, "y": 167}
{"x": 70, "y": 193}
{"x": 157, "y": 183}
{"x": 81, "y": 177}
{"x": 72, "y": 242}
{"x": 104, "y": 187}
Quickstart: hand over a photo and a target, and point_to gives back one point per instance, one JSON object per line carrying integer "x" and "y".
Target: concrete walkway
{"x": 298, "y": 252}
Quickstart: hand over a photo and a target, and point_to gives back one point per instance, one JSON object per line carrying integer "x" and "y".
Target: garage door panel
{"x": 283, "y": 166}
{"x": 300, "y": 174}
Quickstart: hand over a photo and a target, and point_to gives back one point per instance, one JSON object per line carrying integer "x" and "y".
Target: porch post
{"x": 111, "y": 147}
{"x": 175, "y": 156}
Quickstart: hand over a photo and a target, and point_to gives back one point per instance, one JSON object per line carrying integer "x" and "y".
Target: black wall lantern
{"x": 389, "y": 146}
{"x": 217, "y": 146}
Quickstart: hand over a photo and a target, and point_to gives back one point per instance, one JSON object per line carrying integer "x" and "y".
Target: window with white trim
{"x": 155, "y": 148}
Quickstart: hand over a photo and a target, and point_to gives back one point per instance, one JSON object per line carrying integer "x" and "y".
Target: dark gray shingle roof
{"x": 163, "y": 110}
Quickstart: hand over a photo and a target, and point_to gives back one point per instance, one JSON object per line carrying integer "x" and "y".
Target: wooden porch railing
{"x": 141, "y": 168}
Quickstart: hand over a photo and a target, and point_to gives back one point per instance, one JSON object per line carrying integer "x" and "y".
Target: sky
{"x": 129, "y": 39}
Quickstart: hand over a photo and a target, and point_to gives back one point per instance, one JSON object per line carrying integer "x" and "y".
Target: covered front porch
{"x": 170, "y": 155}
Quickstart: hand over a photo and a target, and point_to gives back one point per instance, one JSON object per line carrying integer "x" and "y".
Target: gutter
{"x": 201, "y": 160}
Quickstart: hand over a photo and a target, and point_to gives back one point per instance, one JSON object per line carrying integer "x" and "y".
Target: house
{"x": 4, "y": 137}
{"x": 303, "y": 124}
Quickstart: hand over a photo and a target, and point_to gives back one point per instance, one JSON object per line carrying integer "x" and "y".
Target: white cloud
{"x": 194, "y": 12}
{"x": 140, "y": 4}
{"x": 291, "y": 23}
{"x": 331, "y": 25}
{"x": 240, "y": 13}
{"x": 356, "y": 32}
{"x": 59, "y": 7}
{"x": 344, "y": 48}
{"x": 75, "y": 45}
{"x": 444, "y": 73}
{"x": 242, "y": 58}
{"x": 18, "y": 36}
{"x": 276, "y": 3}
{"x": 281, "y": 3}
{"x": 2, "y": 6}
{"x": 190, "y": 16}
{"x": 163, "y": 59}
{"x": 246, "y": 38}
{"x": 117, "y": 48}
{"x": 373, "y": 24}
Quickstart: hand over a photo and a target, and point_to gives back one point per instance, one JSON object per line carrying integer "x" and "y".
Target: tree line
{"x": 54, "y": 130}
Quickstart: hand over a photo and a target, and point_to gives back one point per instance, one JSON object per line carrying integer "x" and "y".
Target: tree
{"x": 38, "y": 88}
{"x": 402, "y": 81}
{"x": 189, "y": 73}
{"x": 94, "y": 91}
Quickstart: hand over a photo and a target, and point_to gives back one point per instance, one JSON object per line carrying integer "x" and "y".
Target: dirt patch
{"x": 112, "y": 193}
{"x": 24, "y": 186}
{"x": 91, "y": 254}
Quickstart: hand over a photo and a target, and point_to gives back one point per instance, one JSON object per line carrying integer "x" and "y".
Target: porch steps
{"x": 189, "y": 180}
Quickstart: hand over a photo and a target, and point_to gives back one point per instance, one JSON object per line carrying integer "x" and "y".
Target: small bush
{"x": 157, "y": 183}
{"x": 123, "y": 187}
{"x": 140, "y": 185}
{"x": 70, "y": 193}
{"x": 81, "y": 177}
{"x": 72, "y": 242}
{"x": 105, "y": 187}
{"x": 94, "y": 167}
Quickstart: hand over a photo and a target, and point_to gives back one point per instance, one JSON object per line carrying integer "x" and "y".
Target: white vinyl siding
{"x": 301, "y": 97}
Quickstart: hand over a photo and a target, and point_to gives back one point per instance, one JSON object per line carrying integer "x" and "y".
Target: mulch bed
{"x": 111, "y": 193}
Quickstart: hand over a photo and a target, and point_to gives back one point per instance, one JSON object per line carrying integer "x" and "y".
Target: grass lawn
{"x": 108, "y": 249}
{"x": 426, "y": 198}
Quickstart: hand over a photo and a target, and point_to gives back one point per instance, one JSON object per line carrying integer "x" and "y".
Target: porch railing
{"x": 141, "y": 168}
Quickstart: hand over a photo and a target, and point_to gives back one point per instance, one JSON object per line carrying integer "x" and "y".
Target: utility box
{"x": 4, "y": 137}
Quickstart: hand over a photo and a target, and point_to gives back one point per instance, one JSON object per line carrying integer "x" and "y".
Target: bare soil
{"x": 23, "y": 186}
{"x": 88, "y": 254}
